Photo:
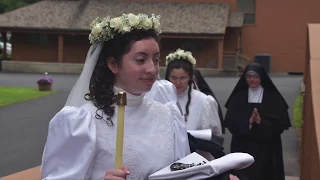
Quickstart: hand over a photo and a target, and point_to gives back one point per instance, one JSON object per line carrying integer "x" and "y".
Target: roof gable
{"x": 189, "y": 18}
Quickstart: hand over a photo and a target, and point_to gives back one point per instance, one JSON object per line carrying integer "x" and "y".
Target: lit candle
{"x": 121, "y": 102}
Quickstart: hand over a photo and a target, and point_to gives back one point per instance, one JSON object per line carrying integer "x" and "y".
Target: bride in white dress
{"x": 81, "y": 140}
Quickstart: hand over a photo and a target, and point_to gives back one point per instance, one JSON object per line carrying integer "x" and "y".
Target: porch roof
{"x": 76, "y": 15}
{"x": 235, "y": 19}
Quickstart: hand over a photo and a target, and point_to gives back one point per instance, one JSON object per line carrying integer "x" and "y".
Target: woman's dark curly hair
{"x": 188, "y": 67}
{"x": 102, "y": 80}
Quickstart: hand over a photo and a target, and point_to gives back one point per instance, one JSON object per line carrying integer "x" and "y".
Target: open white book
{"x": 233, "y": 161}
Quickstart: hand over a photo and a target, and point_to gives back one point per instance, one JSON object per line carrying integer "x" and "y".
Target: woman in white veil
{"x": 124, "y": 56}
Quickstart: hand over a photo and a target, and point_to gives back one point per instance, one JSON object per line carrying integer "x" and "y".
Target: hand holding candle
{"x": 121, "y": 102}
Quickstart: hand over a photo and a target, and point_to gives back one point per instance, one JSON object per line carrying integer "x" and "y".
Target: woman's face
{"x": 180, "y": 78}
{"x": 139, "y": 68}
{"x": 253, "y": 80}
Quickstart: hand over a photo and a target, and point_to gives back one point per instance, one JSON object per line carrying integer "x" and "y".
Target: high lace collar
{"x": 132, "y": 100}
{"x": 184, "y": 93}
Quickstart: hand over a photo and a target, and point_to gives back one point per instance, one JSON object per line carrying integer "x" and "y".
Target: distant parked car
{"x": 9, "y": 47}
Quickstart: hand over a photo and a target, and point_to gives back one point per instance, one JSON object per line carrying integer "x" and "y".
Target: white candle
{"x": 121, "y": 102}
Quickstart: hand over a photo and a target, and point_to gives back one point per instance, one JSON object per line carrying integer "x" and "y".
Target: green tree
{"x": 9, "y": 5}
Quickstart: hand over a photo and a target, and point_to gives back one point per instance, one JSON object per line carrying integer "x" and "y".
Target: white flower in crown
{"x": 156, "y": 22}
{"x": 181, "y": 54}
{"x": 125, "y": 29}
{"x": 106, "y": 28}
{"x": 147, "y": 23}
{"x": 133, "y": 20}
{"x": 96, "y": 30}
{"x": 116, "y": 23}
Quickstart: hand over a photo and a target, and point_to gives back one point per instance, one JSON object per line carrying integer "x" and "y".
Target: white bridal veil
{"x": 76, "y": 96}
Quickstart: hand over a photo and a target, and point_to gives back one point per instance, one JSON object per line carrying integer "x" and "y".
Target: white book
{"x": 233, "y": 161}
{"x": 204, "y": 134}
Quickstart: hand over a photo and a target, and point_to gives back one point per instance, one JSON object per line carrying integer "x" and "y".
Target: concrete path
{"x": 23, "y": 126}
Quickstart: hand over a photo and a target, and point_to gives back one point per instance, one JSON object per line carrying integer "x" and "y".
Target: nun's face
{"x": 253, "y": 80}
{"x": 180, "y": 78}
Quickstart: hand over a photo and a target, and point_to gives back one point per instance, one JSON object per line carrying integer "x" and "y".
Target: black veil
{"x": 266, "y": 83}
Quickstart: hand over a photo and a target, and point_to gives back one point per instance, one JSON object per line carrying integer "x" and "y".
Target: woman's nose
{"x": 151, "y": 67}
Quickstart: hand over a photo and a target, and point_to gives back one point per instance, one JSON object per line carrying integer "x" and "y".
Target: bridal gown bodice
{"x": 82, "y": 146}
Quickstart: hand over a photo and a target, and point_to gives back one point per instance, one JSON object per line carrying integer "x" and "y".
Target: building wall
{"x": 75, "y": 48}
{"x": 202, "y": 50}
{"x": 26, "y": 49}
{"x": 231, "y": 39}
{"x": 280, "y": 30}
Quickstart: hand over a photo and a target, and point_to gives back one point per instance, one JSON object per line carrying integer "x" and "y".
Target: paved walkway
{"x": 292, "y": 178}
{"x": 23, "y": 126}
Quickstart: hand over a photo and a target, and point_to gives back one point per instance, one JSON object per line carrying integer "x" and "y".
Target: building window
{"x": 249, "y": 18}
{"x": 249, "y": 9}
{"x": 41, "y": 39}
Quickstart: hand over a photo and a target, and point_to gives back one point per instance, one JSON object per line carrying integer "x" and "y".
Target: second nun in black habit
{"x": 256, "y": 116}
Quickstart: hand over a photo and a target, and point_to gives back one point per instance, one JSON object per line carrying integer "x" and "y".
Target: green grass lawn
{"x": 297, "y": 112}
{"x": 10, "y": 95}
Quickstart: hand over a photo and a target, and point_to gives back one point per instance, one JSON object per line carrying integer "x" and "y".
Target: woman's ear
{"x": 112, "y": 65}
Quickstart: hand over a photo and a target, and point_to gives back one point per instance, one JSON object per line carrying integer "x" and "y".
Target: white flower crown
{"x": 106, "y": 28}
{"x": 181, "y": 54}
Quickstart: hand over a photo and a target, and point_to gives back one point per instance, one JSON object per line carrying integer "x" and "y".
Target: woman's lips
{"x": 148, "y": 80}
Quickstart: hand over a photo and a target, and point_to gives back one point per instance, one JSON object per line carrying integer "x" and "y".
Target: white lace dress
{"x": 80, "y": 146}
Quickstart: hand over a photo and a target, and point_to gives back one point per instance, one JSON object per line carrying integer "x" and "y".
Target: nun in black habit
{"x": 200, "y": 84}
{"x": 256, "y": 116}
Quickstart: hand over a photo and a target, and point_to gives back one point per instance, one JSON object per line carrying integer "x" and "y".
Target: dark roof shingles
{"x": 207, "y": 18}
